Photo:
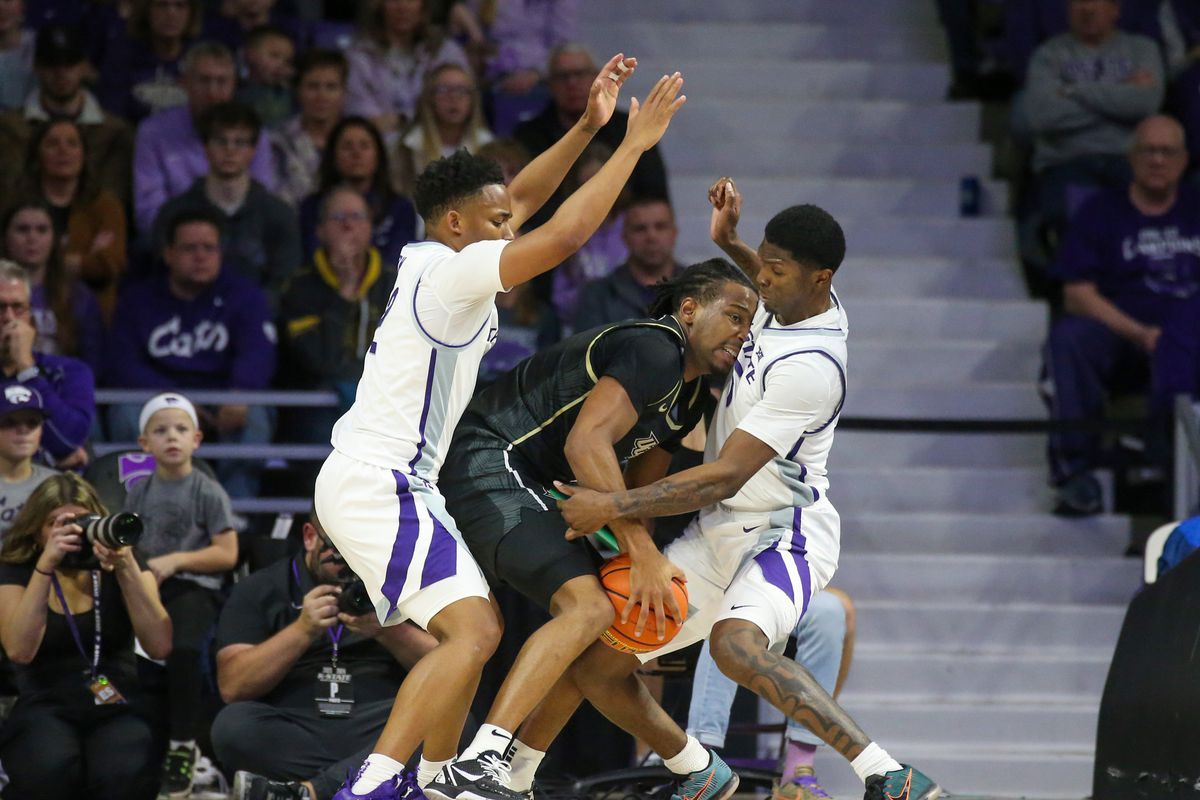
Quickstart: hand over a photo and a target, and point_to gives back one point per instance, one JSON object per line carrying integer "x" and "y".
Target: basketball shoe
{"x": 484, "y": 777}
{"x": 400, "y": 787}
{"x": 715, "y": 782}
{"x": 905, "y": 783}
{"x": 803, "y": 785}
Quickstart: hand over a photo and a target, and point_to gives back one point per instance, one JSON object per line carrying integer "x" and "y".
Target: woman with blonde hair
{"x": 79, "y": 727}
{"x": 396, "y": 47}
{"x": 449, "y": 116}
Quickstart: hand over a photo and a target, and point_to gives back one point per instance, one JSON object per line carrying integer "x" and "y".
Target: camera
{"x": 354, "y": 599}
{"x": 111, "y": 530}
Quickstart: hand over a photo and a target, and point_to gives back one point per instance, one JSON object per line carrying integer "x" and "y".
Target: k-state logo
{"x": 17, "y": 394}
{"x": 642, "y": 445}
{"x": 167, "y": 340}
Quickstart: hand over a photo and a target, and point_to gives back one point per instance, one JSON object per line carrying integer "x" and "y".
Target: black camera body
{"x": 354, "y": 599}
{"x": 110, "y": 530}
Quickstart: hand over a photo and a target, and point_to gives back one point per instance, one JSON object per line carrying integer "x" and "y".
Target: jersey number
{"x": 383, "y": 316}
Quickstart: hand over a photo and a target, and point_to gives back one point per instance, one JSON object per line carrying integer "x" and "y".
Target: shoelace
{"x": 496, "y": 768}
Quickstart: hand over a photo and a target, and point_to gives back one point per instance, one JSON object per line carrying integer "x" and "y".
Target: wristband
{"x": 28, "y": 374}
{"x": 49, "y": 574}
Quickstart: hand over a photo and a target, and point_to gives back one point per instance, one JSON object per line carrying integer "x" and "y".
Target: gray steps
{"x": 892, "y": 237}
{"x": 858, "y": 448}
{"x": 846, "y": 196}
{"x": 972, "y": 628}
{"x": 941, "y": 361}
{"x": 988, "y": 579}
{"x": 688, "y": 154}
{"x": 925, "y": 489}
{"x": 1014, "y": 400}
{"x": 788, "y": 81}
{"x": 775, "y": 40}
{"x": 939, "y": 318}
{"x": 864, "y": 532}
{"x": 957, "y": 675}
{"x": 930, "y": 277}
{"x": 919, "y": 722}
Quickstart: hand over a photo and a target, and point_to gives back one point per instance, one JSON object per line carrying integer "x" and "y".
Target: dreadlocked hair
{"x": 451, "y": 179}
{"x": 702, "y": 282}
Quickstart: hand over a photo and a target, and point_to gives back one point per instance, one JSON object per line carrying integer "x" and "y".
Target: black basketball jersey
{"x": 531, "y": 409}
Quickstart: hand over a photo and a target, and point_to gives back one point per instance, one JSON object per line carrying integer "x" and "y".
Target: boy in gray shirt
{"x": 21, "y": 417}
{"x": 190, "y": 544}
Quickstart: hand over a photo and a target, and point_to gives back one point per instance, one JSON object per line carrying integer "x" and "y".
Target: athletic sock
{"x": 490, "y": 738}
{"x": 525, "y": 763}
{"x": 428, "y": 770}
{"x": 873, "y": 760}
{"x": 797, "y": 754}
{"x": 376, "y": 769}
{"x": 692, "y": 758}
{"x": 180, "y": 744}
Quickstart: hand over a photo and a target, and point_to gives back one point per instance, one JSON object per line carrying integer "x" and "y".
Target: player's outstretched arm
{"x": 743, "y": 455}
{"x": 726, "y": 201}
{"x": 581, "y": 214}
{"x": 532, "y": 186}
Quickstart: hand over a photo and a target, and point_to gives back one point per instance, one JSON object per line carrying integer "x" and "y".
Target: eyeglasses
{"x": 452, "y": 91}
{"x": 17, "y": 309}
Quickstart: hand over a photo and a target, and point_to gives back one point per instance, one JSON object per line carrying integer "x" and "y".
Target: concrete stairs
{"x": 985, "y": 623}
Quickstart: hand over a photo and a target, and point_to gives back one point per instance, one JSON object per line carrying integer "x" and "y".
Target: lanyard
{"x": 94, "y": 667}
{"x": 334, "y": 637}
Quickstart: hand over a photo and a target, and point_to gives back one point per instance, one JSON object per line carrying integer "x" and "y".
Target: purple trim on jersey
{"x": 841, "y": 377}
{"x": 795, "y": 449}
{"x": 371, "y": 349}
{"x": 412, "y": 465}
{"x": 771, "y": 562}
{"x": 775, "y": 570}
{"x": 442, "y": 559}
{"x": 408, "y": 527}
{"x": 438, "y": 342}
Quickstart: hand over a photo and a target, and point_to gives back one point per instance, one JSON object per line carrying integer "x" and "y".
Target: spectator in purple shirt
{"x": 168, "y": 155}
{"x": 355, "y": 156}
{"x": 65, "y": 384}
{"x": 141, "y": 72}
{"x": 1131, "y": 267}
{"x": 196, "y": 327}
{"x": 395, "y": 48}
{"x": 65, "y": 312}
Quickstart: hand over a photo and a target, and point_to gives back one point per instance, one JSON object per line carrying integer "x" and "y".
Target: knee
{"x": 729, "y": 647}
{"x": 1071, "y": 334}
{"x": 586, "y": 606}
{"x": 234, "y": 735}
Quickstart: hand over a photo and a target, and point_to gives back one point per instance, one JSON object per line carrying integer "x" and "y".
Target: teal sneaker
{"x": 715, "y": 782}
{"x": 905, "y": 783}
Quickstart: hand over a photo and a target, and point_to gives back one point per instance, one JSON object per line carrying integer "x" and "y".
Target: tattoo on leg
{"x": 793, "y": 690}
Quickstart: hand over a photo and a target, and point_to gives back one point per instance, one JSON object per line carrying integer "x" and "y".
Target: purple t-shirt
{"x": 1135, "y": 260}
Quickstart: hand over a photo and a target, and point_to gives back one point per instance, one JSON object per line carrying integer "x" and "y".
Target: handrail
{"x": 1187, "y": 456}
{"x": 207, "y": 397}
{"x": 236, "y": 451}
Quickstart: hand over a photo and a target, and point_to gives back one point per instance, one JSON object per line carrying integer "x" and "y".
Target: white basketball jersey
{"x": 420, "y": 371}
{"x": 786, "y": 389}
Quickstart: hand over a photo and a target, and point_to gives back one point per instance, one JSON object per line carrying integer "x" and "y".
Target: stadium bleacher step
{"x": 939, "y": 319}
{"x": 835, "y": 80}
{"x": 976, "y": 534}
{"x": 861, "y": 448}
{"x": 921, "y": 623}
{"x": 1014, "y": 400}
{"x": 964, "y": 674}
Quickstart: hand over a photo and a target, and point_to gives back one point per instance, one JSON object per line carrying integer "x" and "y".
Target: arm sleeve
{"x": 362, "y": 97}
{"x": 70, "y": 407}
{"x": 1125, "y": 101}
{"x": 254, "y": 339}
{"x": 1047, "y": 109}
{"x": 242, "y": 618}
{"x": 644, "y": 362}
{"x": 129, "y": 367}
{"x": 216, "y": 510}
{"x": 801, "y": 393}
{"x": 1078, "y": 257}
{"x": 453, "y": 289}
{"x": 262, "y": 168}
{"x": 149, "y": 180}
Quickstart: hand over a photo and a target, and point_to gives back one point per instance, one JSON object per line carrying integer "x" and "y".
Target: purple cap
{"x": 18, "y": 397}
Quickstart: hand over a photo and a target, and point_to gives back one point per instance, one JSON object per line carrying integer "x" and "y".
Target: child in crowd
{"x": 21, "y": 416}
{"x": 190, "y": 544}
{"x": 268, "y": 54}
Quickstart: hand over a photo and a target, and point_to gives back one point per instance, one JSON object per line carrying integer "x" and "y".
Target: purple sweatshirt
{"x": 168, "y": 157}
{"x": 69, "y": 399}
{"x": 526, "y": 30}
{"x": 223, "y": 339}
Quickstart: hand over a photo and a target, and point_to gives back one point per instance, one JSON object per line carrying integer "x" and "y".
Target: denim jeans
{"x": 819, "y": 636}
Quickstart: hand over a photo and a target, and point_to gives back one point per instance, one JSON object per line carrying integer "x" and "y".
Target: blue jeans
{"x": 819, "y": 636}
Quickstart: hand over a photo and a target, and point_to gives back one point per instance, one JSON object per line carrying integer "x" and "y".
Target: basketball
{"x": 614, "y": 576}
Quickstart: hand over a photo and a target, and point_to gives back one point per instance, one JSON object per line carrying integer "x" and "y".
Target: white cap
{"x": 166, "y": 400}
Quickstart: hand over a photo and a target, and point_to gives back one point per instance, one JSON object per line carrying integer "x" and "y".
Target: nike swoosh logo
{"x": 748, "y": 529}
{"x": 744, "y": 605}
{"x": 468, "y": 775}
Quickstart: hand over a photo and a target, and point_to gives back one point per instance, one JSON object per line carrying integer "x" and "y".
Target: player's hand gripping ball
{"x": 614, "y": 576}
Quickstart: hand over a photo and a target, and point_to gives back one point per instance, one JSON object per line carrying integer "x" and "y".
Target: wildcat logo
{"x": 167, "y": 340}
{"x": 643, "y": 445}
{"x": 17, "y": 395}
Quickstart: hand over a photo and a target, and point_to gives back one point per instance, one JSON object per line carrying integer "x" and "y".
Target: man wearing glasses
{"x": 1130, "y": 264}
{"x": 309, "y": 685}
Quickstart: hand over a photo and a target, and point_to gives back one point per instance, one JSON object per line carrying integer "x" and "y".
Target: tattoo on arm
{"x": 793, "y": 690}
{"x": 675, "y": 494}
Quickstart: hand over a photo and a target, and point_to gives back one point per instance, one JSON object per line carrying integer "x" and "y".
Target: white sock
{"x": 179, "y": 744}
{"x": 489, "y": 739}
{"x": 873, "y": 760}
{"x": 692, "y": 758}
{"x": 525, "y": 763}
{"x": 376, "y": 769}
{"x": 428, "y": 770}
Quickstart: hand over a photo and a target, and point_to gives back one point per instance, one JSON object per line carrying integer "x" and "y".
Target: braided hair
{"x": 702, "y": 282}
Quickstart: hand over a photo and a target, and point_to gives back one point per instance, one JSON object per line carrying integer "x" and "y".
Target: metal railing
{"x": 1187, "y": 457}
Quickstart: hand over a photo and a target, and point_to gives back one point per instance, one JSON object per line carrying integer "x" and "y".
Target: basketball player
{"x": 627, "y": 392}
{"x": 377, "y": 492}
{"x": 767, "y": 538}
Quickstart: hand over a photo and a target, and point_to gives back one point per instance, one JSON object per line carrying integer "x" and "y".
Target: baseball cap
{"x": 19, "y": 397}
{"x": 58, "y": 46}
{"x": 166, "y": 400}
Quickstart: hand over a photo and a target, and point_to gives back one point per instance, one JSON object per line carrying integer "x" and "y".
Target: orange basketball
{"x": 614, "y": 575}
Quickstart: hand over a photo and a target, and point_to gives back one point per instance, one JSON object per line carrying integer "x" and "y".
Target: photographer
{"x": 79, "y": 728}
{"x": 283, "y": 644}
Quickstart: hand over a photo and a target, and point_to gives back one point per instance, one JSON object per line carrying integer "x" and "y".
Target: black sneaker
{"x": 484, "y": 777}
{"x": 179, "y": 772}
{"x": 248, "y": 786}
{"x": 1079, "y": 496}
{"x": 905, "y": 783}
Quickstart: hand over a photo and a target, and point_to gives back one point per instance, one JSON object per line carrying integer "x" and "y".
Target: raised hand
{"x": 602, "y": 98}
{"x": 648, "y": 120}
{"x": 726, "y": 201}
